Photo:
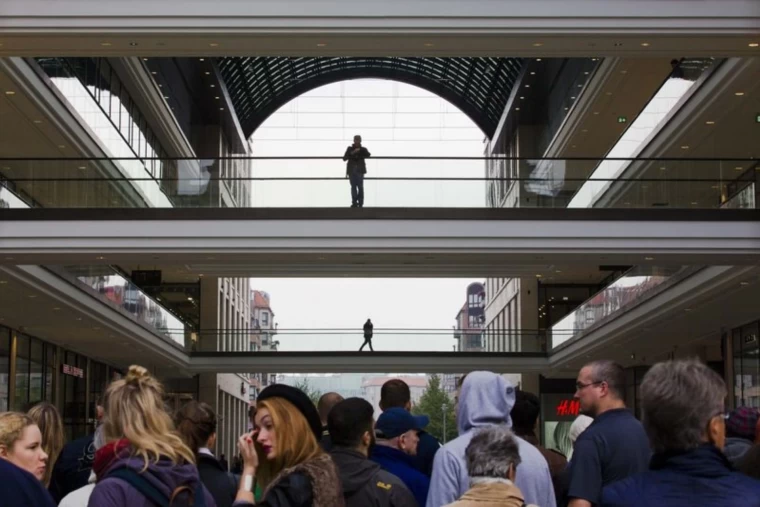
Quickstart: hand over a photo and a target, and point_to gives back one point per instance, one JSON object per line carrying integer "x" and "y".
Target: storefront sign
{"x": 568, "y": 407}
{"x": 72, "y": 370}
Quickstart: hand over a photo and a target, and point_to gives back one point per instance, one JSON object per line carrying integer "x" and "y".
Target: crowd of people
{"x": 685, "y": 450}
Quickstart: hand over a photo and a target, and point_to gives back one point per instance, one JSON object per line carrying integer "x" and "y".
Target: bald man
{"x": 326, "y": 402}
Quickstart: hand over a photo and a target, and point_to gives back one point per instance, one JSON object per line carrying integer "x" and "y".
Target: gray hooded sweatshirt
{"x": 486, "y": 399}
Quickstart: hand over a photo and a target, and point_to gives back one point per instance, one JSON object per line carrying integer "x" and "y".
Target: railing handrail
{"x": 391, "y": 157}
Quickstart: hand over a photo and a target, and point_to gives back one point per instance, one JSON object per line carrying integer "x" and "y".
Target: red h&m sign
{"x": 72, "y": 370}
{"x": 568, "y": 407}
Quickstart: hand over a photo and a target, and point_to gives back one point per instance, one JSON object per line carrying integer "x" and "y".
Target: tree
{"x": 312, "y": 393}
{"x": 437, "y": 405}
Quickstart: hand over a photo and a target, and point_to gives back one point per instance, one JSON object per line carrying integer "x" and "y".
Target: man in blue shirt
{"x": 397, "y": 441}
{"x": 615, "y": 445}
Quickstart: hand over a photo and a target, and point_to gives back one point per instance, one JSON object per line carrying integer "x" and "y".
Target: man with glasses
{"x": 682, "y": 411}
{"x": 614, "y": 446}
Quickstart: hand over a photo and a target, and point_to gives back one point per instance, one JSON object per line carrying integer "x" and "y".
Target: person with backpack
{"x": 144, "y": 463}
{"x": 196, "y": 424}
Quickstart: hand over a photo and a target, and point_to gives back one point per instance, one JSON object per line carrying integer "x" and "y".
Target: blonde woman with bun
{"x": 23, "y": 462}
{"x": 47, "y": 418}
{"x": 144, "y": 462}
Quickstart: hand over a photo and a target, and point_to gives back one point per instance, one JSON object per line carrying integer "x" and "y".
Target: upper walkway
{"x": 374, "y": 242}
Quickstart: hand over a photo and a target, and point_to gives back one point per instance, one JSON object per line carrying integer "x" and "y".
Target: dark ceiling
{"x": 480, "y": 87}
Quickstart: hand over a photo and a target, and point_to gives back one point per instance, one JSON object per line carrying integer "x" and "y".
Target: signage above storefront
{"x": 72, "y": 370}
{"x": 568, "y": 407}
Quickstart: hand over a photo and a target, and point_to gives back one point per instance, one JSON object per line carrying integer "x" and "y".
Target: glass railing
{"x": 634, "y": 287}
{"x": 350, "y": 340}
{"x": 390, "y": 182}
{"x": 113, "y": 289}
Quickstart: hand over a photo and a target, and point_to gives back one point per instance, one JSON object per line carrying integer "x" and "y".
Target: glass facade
{"x": 35, "y": 372}
{"x": 746, "y": 365}
{"x": 5, "y": 366}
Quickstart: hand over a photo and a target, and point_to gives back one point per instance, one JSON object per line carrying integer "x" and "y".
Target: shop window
{"x": 747, "y": 366}
{"x": 5, "y": 367}
{"x": 21, "y": 396}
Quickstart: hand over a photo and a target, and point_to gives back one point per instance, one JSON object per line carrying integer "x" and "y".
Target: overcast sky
{"x": 394, "y": 119}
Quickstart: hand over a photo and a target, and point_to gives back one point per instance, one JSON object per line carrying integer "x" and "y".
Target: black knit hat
{"x": 299, "y": 400}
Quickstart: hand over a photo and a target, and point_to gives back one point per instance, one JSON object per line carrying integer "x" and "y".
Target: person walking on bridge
{"x": 368, "y": 327}
{"x": 356, "y": 168}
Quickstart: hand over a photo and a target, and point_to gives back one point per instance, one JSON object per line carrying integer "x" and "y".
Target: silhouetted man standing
{"x": 367, "y": 335}
{"x": 356, "y": 168}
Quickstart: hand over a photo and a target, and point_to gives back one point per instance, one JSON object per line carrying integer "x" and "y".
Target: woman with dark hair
{"x": 196, "y": 423}
{"x": 282, "y": 454}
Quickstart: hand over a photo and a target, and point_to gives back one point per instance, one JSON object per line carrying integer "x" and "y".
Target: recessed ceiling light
{"x": 738, "y": 168}
{"x": 82, "y": 167}
{"x": 3, "y": 282}
{"x": 213, "y": 44}
{"x": 32, "y": 295}
{"x": 61, "y": 146}
{"x": 105, "y": 44}
{"x": 645, "y": 44}
{"x": 624, "y": 72}
{"x": 584, "y": 130}
{"x": 153, "y": 72}
{"x": 133, "y": 44}
{"x": 558, "y": 271}
{"x": 79, "y": 318}
{"x": 100, "y": 257}
{"x": 538, "y": 44}
{"x": 608, "y": 93}
{"x": 572, "y": 98}
{"x": 522, "y": 98}
{"x": 580, "y": 85}
{"x": 517, "y": 109}
{"x": 321, "y": 44}
{"x": 160, "y": 85}
{"x": 684, "y": 147}
{"x": 743, "y": 283}
{"x": 538, "y": 275}
{"x": 166, "y": 97}
{"x": 189, "y": 298}
{"x": 694, "y": 203}
{"x": 663, "y": 168}
{"x": 538, "y": 59}
{"x": 37, "y": 121}
{"x": 716, "y": 187}
{"x": 753, "y": 44}
{"x": 648, "y": 258}
{"x": 527, "y": 86}
{"x": 596, "y": 112}
{"x": 687, "y": 309}
{"x": 56, "y": 308}
{"x": 208, "y": 73}
{"x": 221, "y": 109}
{"x": 10, "y": 92}
{"x": 567, "y": 109}
{"x": 594, "y": 59}
{"x": 533, "y": 73}
{"x": 201, "y": 59}
{"x": 145, "y": 59}
{"x": 585, "y": 73}
{"x": 573, "y": 146}
{"x": 709, "y": 122}
{"x": 200, "y": 275}
{"x": 738, "y": 94}
{"x": 213, "y": 86}
{"x": 217, "y": 98}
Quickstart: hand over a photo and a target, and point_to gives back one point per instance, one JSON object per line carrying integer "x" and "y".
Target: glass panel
{"x": 21, "y": 396}
{"x": 750, "y": 369}
{"x": 36, "y": 371}
{"x": 5, "y": 364}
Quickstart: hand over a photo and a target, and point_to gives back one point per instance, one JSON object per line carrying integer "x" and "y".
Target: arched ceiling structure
{"x": 480, "y": 87}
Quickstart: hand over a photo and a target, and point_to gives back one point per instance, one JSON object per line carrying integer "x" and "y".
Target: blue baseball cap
{"x": 397, "y": 421}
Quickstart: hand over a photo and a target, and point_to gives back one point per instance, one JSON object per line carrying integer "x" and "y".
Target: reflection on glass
{"x": 637, "y": 284}
{"x": 5, "y": 350}
{"x": 123, "y": 294}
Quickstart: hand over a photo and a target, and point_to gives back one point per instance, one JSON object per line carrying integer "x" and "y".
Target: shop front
{"x": 32, "y": 370}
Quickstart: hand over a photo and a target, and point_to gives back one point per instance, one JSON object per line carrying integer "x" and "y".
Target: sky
{"x": 394, "y": 119}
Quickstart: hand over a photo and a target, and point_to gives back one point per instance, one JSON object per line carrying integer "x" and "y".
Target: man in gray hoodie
{"x": 486, "y": 399}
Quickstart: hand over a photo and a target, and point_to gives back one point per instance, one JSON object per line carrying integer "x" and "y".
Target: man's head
{"x": 600, "y": 387}
{"x": 351, "y": 425}
{"x": 525, "y": 413}
{"x": 357, "y": 140}
{"x": 492, "y": 454}
{"x": 395, "y": 393}
{"x": 682, "y": 406}
{"x": 400, "y": 429}
{"x": 326, "y": 403}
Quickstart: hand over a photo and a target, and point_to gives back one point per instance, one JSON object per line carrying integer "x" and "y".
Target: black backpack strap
{"x": 139, "y": 482}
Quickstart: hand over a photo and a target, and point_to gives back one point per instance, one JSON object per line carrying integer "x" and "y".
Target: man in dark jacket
{"x": 397, "y": 446}
{"x": 356, "y": 168}
{"x": 395, "y": 393}
{"x": 368, "y": 327}
{"x": 326, "y": 403}
{"x": 365, "y": 484}
{"x": 683, "y": 415}
{"x": 19, "y": 487}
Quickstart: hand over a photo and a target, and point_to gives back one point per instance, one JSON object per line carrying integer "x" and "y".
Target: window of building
{"x": 265, "y": 318}
{"x": 5, "y": 367}
{"x": 74, "y": 398}
{"x": 746, "y": 366}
